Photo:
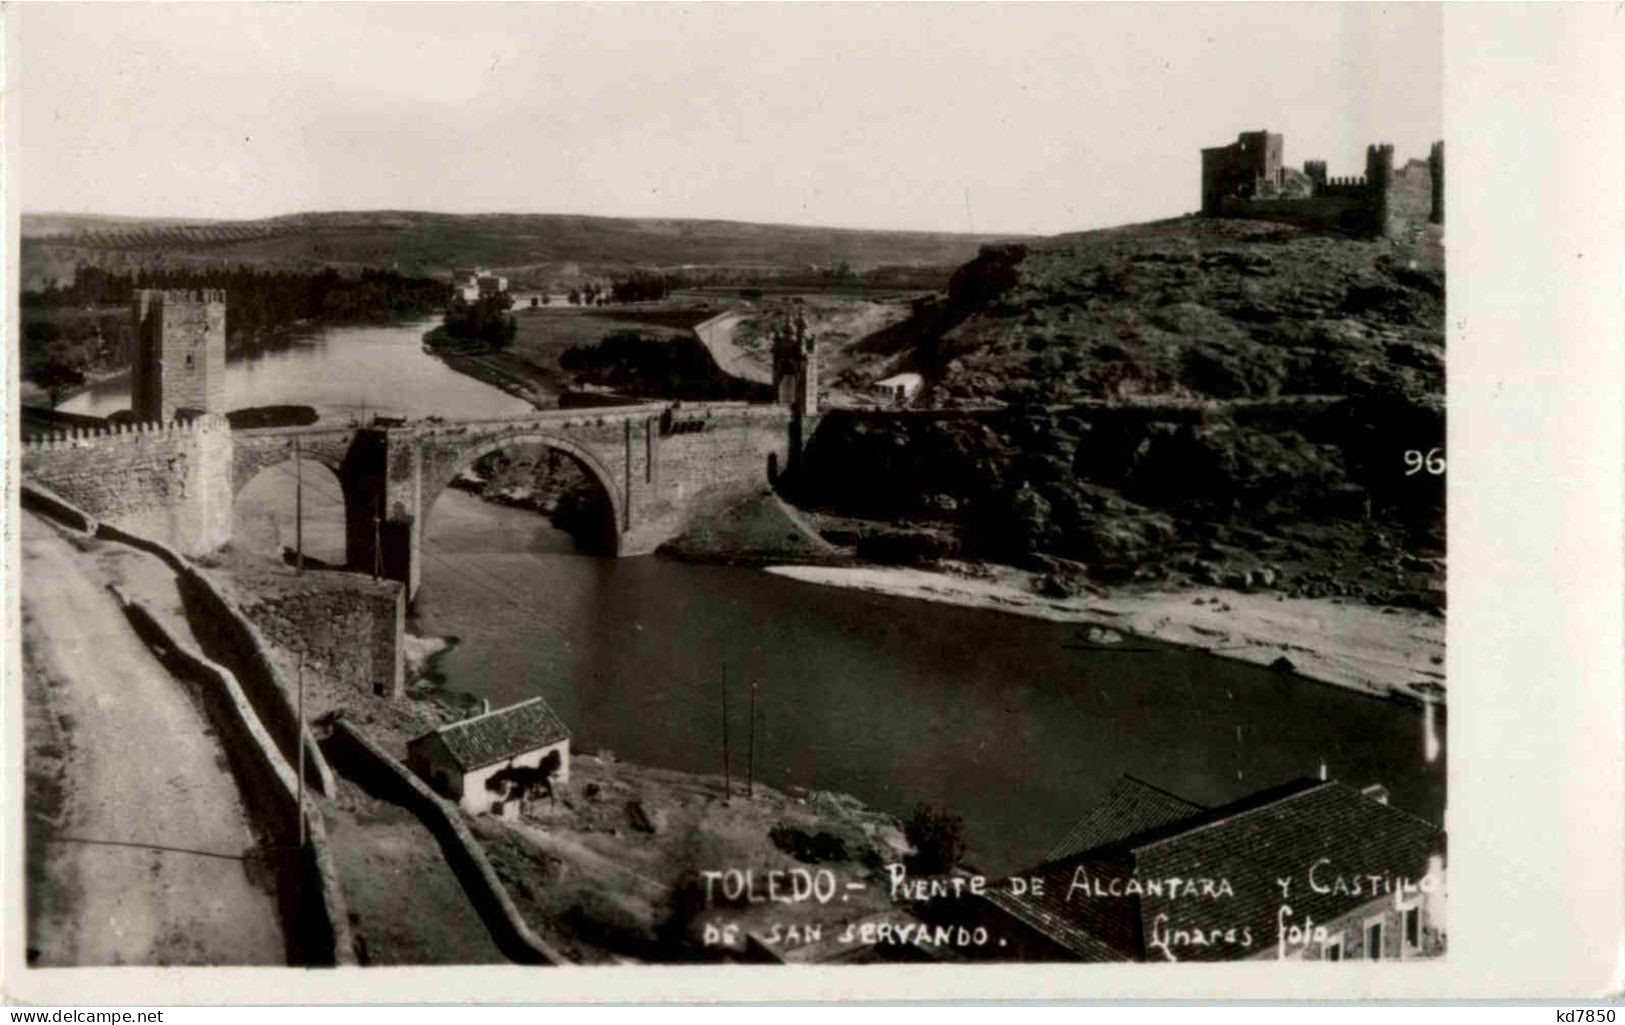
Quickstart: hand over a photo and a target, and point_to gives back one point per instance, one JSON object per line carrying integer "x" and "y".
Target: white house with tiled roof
{"x": 485, "y": 763}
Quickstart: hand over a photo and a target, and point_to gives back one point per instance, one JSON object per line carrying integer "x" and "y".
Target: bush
{"x": 809, "y": 848}
{"x": 938, "y": 838}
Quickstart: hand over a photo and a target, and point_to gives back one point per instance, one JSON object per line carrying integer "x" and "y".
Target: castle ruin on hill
{"x": 1248, "y": 179}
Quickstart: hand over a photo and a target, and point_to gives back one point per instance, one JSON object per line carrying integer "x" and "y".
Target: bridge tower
{"x": 180, "y": 354}
{"x": 795, "y": 378}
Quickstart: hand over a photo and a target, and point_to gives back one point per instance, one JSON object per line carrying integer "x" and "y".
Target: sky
{"x": 998, "y": 118}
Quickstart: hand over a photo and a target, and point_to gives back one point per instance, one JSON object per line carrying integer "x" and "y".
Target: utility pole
{"x": 377, "y": 539}
{"x": 299, "y": 742}
{"x": 727, "y": 780}
{"x": 298, "y": 511}
{"x": 750, "y": 779}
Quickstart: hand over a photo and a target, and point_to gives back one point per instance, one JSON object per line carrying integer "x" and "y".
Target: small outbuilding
{"x": 493, "y": 761}
{"x": 900, "y": 388}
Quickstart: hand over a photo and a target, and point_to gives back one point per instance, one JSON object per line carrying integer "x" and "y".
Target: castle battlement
{"x": 181, "y": 296}
{"x": 1247, "y": 179}
{"x": 124, "y": 434}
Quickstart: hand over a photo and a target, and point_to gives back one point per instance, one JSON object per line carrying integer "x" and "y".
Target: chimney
{"x": 1377, "y": 792}
{"x": 1323, "y": 771}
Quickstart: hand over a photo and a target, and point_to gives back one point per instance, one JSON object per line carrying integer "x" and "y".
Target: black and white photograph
{"x": 771, "y": 485}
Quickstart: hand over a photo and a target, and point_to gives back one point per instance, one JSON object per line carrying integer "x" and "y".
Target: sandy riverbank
{"x": 1376, "y": 650}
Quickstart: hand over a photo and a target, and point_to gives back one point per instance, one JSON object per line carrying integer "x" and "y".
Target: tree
{"x": 938, "y": 837}
{"x": 59, "y": 372}
{"x": 574, "y": 296}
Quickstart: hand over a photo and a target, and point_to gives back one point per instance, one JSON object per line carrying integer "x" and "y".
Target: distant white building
{"x": 900, "y": 388}
{"x": 487, "y": 762}
{"x": 477, "y": 283}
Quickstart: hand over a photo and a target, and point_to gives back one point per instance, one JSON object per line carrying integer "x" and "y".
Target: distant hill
{"x": 529, "y": 247}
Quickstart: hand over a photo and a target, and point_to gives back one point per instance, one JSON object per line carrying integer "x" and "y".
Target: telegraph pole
{"x": 750, "y": 779}
{"x": 377, "y": 539}
{"x": 727, "y": 780}
{"x": 298, "y": 511}
{"x": 299, "y": 742}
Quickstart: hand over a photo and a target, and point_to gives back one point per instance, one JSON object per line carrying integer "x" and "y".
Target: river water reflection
{"x": 1009, "y": 722}
{"x": 344, "y": 372}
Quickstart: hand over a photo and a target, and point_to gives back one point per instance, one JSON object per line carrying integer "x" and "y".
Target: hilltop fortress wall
{"x": 1248, "y": 179}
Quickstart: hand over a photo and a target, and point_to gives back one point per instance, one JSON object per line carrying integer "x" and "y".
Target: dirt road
{"x": 718, "y": 336}
{"x": 140, "y": 850}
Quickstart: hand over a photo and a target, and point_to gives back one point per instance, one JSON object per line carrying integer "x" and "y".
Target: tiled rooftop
{"x": 500, "y": 734}
{"x": 1322, "y": 826}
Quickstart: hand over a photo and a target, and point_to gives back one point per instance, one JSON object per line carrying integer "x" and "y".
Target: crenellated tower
{"x": 1379, "y": 165}
{"x": 795, "y": 378}
{"x": 180, "y": 354}
{"x": 795, "y": 365}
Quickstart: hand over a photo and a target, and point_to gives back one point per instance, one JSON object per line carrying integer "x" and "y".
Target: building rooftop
{"x": 1131, "y": 806}
{"x": 499, "y": 734}
{"x": 1217, "y": 872}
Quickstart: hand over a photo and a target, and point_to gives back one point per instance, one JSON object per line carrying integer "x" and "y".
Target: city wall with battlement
{"x": 659, "y": 465}
{"x": 168, "y": 481}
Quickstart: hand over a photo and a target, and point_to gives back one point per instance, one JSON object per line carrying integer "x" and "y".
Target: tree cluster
{"x": 588, "y": 293}
{"x": 485, "y": 320}
{"x": 640, "y": 286}
{"x": 258, "y": 300}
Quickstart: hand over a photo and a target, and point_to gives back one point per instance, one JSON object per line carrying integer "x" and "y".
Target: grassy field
{"x": 530, "y": 367}
{"x": 546, "y": 332}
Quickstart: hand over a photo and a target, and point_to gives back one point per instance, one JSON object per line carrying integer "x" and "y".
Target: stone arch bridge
{"x": 661, "y": 466}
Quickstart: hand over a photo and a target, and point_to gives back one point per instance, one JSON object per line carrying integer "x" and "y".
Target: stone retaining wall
{"x": 345, "y": 627}
{"x": 44, "y": 500}
{"x": 365, "y": 761}
{"x": 227, "y": 635}
{"x": 312, "y": 895}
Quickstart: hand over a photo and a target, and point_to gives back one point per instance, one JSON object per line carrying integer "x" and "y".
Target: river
{"x": 1014, "y": 724}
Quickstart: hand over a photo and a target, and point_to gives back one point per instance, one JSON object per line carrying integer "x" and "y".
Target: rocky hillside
{"x": 1213, "y": 401}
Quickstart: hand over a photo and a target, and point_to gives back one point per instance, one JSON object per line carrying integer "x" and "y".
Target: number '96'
{"x": 1416, "y": 461}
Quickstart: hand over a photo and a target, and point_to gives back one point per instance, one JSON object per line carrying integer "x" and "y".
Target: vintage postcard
{"x": 765, "y": 489}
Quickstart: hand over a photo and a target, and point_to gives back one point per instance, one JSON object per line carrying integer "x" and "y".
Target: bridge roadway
{"x": 659, "y": 465}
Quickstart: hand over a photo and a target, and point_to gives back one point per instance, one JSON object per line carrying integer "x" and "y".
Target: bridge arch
{"x": 606, "y": 480}
{"x": 254, "y": 451}
{"x": 263, "y": 509}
